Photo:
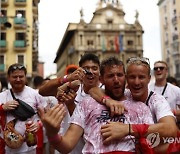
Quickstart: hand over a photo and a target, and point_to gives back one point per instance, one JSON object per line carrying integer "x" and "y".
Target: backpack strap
{"x": 12, "y": 94}
{"x": 150, "y": 94}
{"x": 164, "y": 89}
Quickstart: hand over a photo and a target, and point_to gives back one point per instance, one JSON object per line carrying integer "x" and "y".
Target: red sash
{"x": 2, "y": 124}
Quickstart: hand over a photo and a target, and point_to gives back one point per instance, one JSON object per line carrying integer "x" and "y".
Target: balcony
{"x": 174, "y": 20}
{"x": 175, "y": 37}
{"x": 19, "y": 45}
{"x": 3, "y": 45}
{"x": 4, "y": 3}
{"x": 3, "y": 20}
{"x": 19, "y": 22}
{"x": 20, "y": 2}
{"x": 2, "y": 67}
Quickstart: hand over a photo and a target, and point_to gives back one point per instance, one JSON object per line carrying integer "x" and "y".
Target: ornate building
{"x": 107, "y": 34}
{"x": 169, "y": 11}
{"x": 19, "y": 35}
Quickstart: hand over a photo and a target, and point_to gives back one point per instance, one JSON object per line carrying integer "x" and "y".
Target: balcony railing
{"x": 175, "y": 37}
{"x": 2, "y": 67}
{"x": 19, "y": 44}
{"x": 3, "y": 20}
{"x": 2, "y": 43}
{"x": 18, "y": 20}
{"x": 174, "y": 20}
{"x": 20, "y": 2}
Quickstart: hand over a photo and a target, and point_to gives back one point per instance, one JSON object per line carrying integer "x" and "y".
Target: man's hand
{"x": 11, "y": 105}
{"x": 52, "y": 118}
{"x": 116, "y": 107}
{"x": 76, "y": 75}
{"x": 114, "y": 131}
{"x": 32, "y": 126}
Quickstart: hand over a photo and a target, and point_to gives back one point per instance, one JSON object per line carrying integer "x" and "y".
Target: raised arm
{"x": 51, "y": 121}
{"x": 98, "y": 94}
{"x": 50, "y": 88}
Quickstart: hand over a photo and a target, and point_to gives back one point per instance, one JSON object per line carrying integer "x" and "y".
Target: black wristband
{"x": 129, "y": 129}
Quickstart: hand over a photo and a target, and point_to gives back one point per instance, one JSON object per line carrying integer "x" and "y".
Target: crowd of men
{"x": 96, "y": 107}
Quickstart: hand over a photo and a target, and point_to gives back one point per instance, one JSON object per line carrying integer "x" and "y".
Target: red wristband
{"x": 103, "y": 99}
{"x": 55, "y": 138}
{"x": 141, "y": 129}
{"x": 65, "y": 79}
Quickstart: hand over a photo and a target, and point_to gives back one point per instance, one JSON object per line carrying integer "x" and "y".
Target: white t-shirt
{"x": 90, "y": 115}
{"x": 158, "y": 105}
{"x": 171, "y": 94}
{"x": 80, "y": 96}
{"x": 31, "y": 97}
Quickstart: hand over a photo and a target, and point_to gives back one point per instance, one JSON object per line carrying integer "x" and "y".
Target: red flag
{"x": 116, "y": 42}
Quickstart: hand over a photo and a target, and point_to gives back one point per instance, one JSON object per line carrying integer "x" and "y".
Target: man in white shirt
{"x": 170, "y": 92}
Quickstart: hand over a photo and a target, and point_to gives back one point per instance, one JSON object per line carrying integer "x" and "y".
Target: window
{"x": 1, "y": 59}
{"x": 22, "y": 12}
{"x": 3, "y": 36}
{"x": 174, "y": 11}
{"x": 2, "y": 63}
{"x": 90, "y": 42}
{"x": 4, "y": 13}
{"x": 174, "y": 2}
{"x": 130, "y": 42}
{"x": 20, "y": 59}
{"x": 99, "y": 39}
{"x": 81, "y": 39}
{"x": 20, "y": 36}
{"x": 111, "y": 43}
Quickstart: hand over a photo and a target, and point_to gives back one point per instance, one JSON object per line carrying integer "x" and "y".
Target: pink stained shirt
{"x": 91, "y": 115}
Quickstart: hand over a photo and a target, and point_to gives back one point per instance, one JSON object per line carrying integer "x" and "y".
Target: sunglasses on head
{"x": 19, "y": 67}
{"x": 142, "y": 59}
{"x": 159, "y": 68}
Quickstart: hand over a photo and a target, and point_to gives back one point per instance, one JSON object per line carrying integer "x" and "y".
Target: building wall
{"x": 98, "y": 37}
{"x": 169, "y": 11}
{"x": 28, "y": 28}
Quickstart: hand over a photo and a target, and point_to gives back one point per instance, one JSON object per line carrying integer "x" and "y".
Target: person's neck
{"x": 160, "y": 83}
{"x": 87, "y": 88}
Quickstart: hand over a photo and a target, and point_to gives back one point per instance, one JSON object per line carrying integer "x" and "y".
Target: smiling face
{"x": 114, "y": 81}
{"x": 138, "y": 78}
{"x": 160, "y": 71}
{"x": 91, "y": 80}
{"x": 17, "y": 79}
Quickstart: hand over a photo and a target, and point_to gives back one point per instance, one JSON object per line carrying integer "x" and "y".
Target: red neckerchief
{"x": 39, "y": 134}
{"x": 143, "y": 146}
{"x": 2, "y": 123}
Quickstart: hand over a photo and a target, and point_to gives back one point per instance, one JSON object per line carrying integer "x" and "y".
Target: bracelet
{"x": 65, "y": 79}
{"x": 55, "y": 138}
{"x": 103, "y": 99}
{"x": 129, "y": 133}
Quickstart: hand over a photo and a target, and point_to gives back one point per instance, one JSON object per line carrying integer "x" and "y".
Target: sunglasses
{"x": 135, "y": 59}
{"x": 159, "y": 68}
{"x": 20, "y": 67}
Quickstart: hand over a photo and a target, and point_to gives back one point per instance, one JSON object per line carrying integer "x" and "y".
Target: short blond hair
{"x": 161, "y": 61}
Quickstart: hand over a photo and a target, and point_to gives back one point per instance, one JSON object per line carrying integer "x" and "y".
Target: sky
{"x": 54, "y": 16}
